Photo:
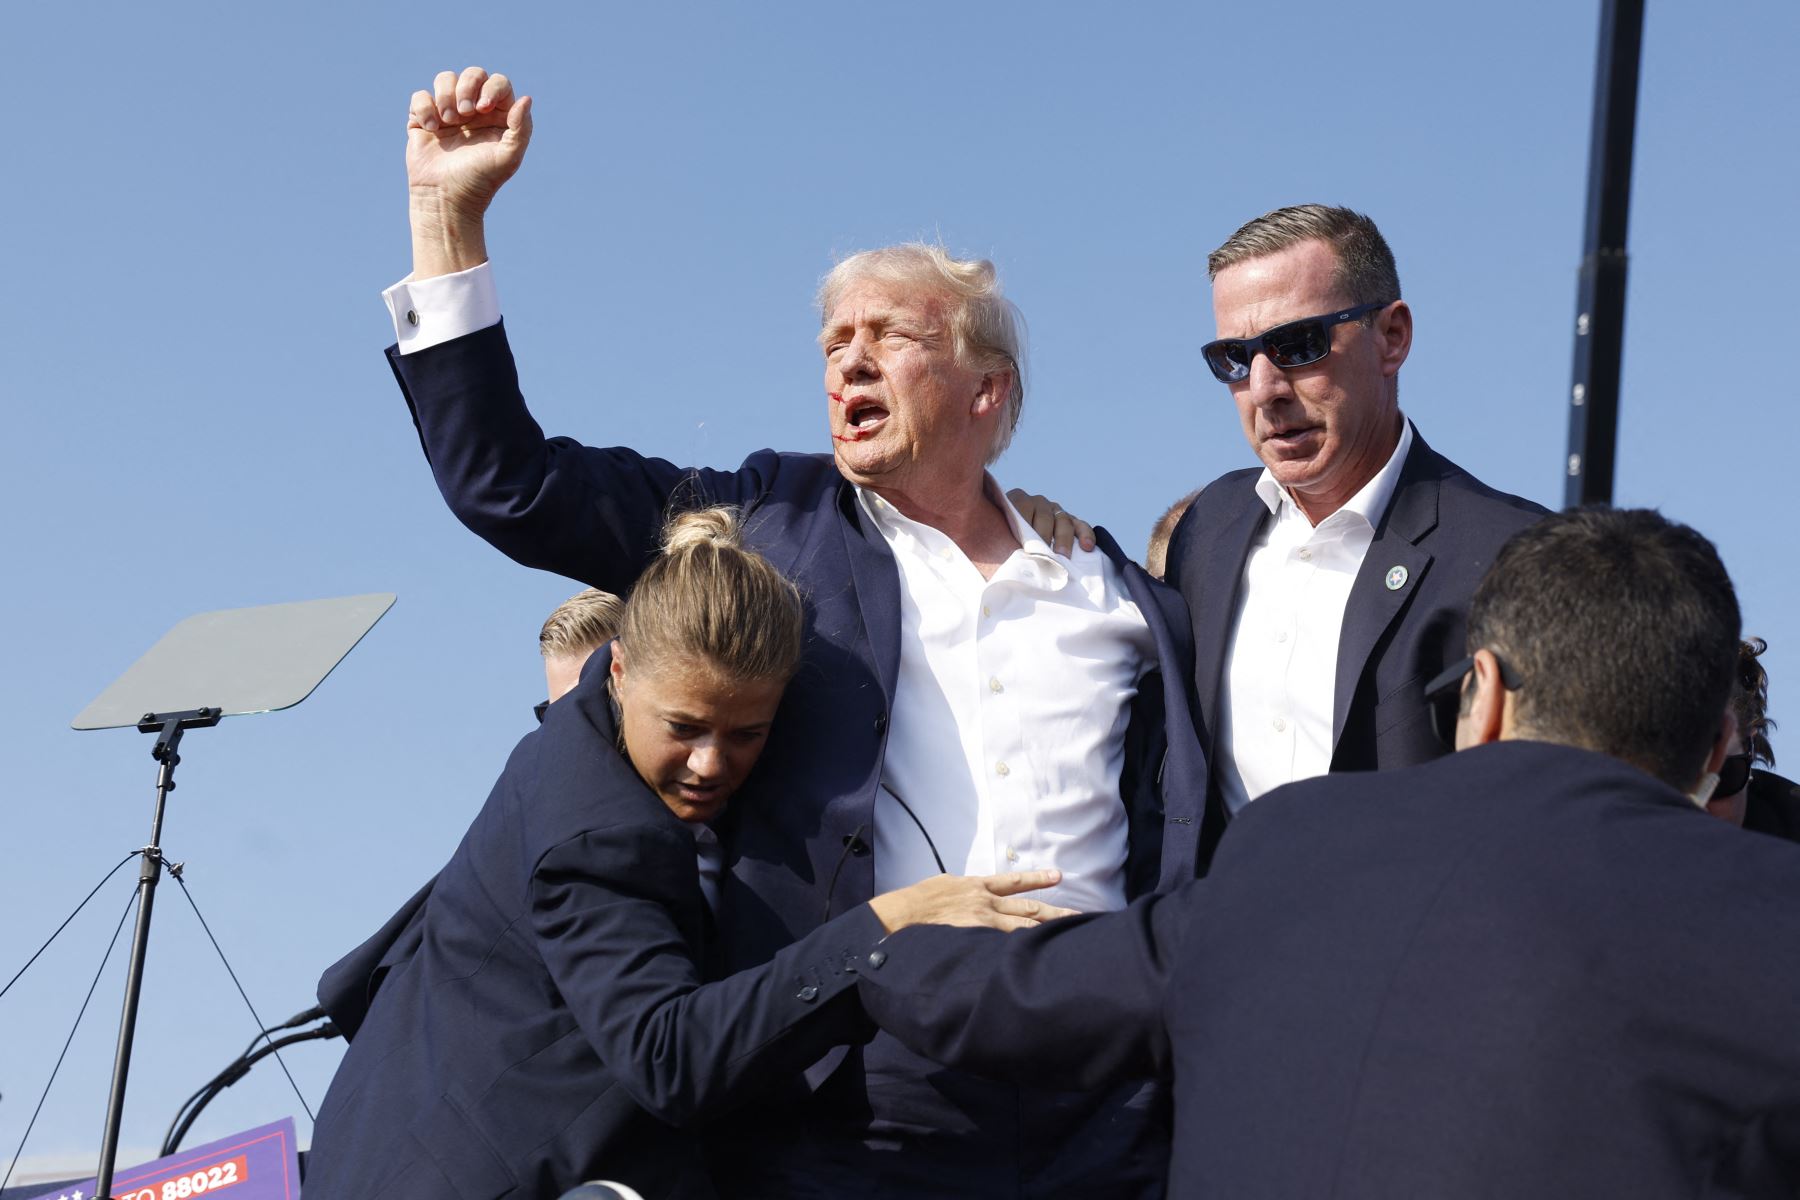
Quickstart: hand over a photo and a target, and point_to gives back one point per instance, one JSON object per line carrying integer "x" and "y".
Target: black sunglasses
{"x": 1734, "y": 775}
{"x": 1443, "y": 695}
{"x": 1294, "y": 344}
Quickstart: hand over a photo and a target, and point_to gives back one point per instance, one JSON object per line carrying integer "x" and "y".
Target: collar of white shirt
{"x": 1037, "y": 565}
{"x": 1369, "y": 503}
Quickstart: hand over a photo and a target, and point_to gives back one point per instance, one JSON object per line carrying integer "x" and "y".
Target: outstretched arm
{"x": 1077, "y": 1003}
{"x": 601, "y": 909}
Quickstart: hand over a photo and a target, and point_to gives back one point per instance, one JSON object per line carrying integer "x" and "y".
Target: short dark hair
{"x": 1623, "y": 627}
{"x": 1750, "y": 701}
{"x": 1365, "y": 265}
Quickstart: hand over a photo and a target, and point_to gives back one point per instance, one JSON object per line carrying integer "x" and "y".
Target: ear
{"x": 618, "y": 667}
{"x": 1485, "y": 719}
{"x": 1722, "y": 744}
{"x": 1393, "y": 337}
{"x": 996, "y": 388}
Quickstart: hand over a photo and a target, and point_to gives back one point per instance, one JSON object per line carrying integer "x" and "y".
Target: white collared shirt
{"x": 1281, "y": 670}
{"x": 1007, "y": 734}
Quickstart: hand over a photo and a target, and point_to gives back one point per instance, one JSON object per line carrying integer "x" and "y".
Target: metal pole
{"x": 149, "y": 872}
{"x": 168, "y": 727}
{"x": 1600, "y": 290}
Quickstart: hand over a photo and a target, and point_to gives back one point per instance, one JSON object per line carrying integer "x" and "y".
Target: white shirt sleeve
{"x": 429, "y": 311}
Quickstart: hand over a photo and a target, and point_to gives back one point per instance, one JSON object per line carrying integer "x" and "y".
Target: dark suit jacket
{"x": 797, "y": 834}
{"x": 1443, "y": 525}
{"x": 535, "y": 1016}
{"x": 1523, "y": 970}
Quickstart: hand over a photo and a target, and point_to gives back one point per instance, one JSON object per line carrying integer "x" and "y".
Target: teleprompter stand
{"x": 237, "y": 661}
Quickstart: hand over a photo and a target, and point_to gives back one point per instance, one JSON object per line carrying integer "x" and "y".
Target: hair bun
{"x": 716, "y": 526}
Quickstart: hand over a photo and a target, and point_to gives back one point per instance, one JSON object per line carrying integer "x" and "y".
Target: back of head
{"x": 1622, "y": 627}
{"x": 1156, "y": 556}
{"x": 581, "y": 623}
{"x": 1365, "y": 266}
{"x": 985, "y": 327}
{"x": 707, "y": 600}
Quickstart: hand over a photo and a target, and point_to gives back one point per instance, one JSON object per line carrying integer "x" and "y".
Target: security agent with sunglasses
{"x": 1498, "y": 974}
{"x": 1327, "y": 587}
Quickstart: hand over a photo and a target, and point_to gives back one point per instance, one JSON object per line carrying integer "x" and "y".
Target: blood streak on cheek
{"x": 834, "y": 397}
{"x": 855, "y": 435}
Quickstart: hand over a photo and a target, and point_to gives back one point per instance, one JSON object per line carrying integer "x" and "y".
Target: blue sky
{"x": 205, "y": 201}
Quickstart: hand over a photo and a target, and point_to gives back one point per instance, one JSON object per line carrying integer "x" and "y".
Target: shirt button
{"x": 986, "y": 611}
{"x": 1306, "y": 553}
{"x": 412, "y": 317}
{"x": 1012, "y": 855}
{"x": 994, "y": 685}
{"x": 1280, "y": 725}
{"x": 1282, "y": 636}
{"x": 1001, "y": 768}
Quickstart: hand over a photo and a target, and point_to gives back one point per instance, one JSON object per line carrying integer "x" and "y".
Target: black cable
{"x": 194, "y": 1105}
{"x": 850, "y": 845}
{"x": 70, "y": 1039}
{"x": 66, "y": 920}
{"x": 236, "y": 1070}
{"x": 241, "y": 992}
{"x": 929, "y": 844}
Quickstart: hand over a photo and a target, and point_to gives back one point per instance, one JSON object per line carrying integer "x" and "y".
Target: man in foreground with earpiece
{"x": 1533, "y": 968}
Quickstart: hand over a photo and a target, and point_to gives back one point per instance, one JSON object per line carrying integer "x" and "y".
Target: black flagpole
{"x": 1600, "y": 292}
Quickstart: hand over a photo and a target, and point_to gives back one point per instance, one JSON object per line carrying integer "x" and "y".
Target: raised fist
{"x": 464, "y": 139}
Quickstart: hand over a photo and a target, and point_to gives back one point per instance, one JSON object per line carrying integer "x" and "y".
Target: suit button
{"x": 809, "y": 993}
{"x": 855, "y": 845}
{"x": 876, "y": 958}
{"x": 880, "y": 724}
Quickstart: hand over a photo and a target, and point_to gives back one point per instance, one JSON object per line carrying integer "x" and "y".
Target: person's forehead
{"x": 875, "y": 300}
{"x": 1258, "y": 294}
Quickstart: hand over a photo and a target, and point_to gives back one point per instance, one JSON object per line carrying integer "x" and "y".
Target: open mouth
{"x": 1295, "y": 438}
{"x": 863, "y": 415}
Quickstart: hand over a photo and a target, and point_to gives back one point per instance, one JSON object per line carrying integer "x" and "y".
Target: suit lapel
{"x": 877, "y": 581}
{"x": 1390, "y": 574}
{"x": 1219, "y": 570}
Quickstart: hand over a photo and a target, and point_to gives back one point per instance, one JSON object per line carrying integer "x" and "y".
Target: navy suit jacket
{"x": 535, "y": 1017}
{"x": 1523, "y": 970}
{"x": 797, "y": 835}
{"x": 1442, "y": 525}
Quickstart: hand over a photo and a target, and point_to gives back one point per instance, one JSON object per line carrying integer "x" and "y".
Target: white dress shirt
{"x": 1281, "y": 670}
{"x": 1007, "y": 734}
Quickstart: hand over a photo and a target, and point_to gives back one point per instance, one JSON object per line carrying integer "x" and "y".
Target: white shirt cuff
{"x": 429, "y": 311}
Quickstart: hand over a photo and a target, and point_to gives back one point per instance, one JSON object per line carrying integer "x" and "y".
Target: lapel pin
{"x": 1396, "y": 578}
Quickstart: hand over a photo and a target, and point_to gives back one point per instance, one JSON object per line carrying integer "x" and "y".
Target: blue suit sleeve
{"x": 590, "y": 514}
{"x": 684, "y": 1049}
{"x": 1076, "y": 1003}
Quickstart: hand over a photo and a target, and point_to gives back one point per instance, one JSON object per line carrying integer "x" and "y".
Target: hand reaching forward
{"x": 991, "y": 900}
{"x": 464, "y": 139}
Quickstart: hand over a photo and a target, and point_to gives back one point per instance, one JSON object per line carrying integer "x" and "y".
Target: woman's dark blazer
{"x": 540, "y": 1018}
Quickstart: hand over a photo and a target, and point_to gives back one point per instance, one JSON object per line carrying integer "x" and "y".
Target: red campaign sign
{"x": 200, "y": 1180}
{"x": 258, "y": 1164}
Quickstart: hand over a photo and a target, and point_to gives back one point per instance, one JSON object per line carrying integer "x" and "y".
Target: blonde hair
{"x": 706, "y": 597}
{"x": 986, "y": 328}
{"x": 580, "y": 623}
